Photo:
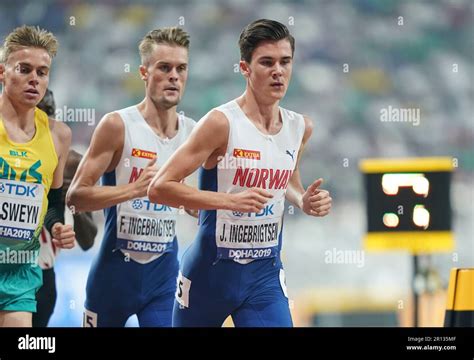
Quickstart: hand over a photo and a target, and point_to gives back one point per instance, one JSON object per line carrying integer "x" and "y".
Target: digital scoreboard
{"x": 408, "y": 204}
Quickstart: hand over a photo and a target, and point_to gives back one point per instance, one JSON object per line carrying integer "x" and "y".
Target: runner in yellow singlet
{"x": 33, "y": 151}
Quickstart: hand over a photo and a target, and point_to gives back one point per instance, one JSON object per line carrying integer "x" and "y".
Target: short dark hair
{"x": 47, "y": 104}
{"x": 260, "y": 30}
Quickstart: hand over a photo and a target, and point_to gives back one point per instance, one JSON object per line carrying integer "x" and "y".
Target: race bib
{"x": 242, "y": 236}
{"x": 20, "y": 209}
{"x": 145, "y": 227}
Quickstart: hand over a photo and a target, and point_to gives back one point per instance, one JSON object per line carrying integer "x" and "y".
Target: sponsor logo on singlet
{"x": 291, "y": 154}
{"x": 143, "y": 153}
{"x": 248, "y": 154}
{"x": 18, "y": 153}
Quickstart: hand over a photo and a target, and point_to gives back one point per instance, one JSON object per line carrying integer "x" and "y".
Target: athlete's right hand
{"x": 64, "y": 236}
{"x": 148, "y": 173}
{"x": 250, "y": 201}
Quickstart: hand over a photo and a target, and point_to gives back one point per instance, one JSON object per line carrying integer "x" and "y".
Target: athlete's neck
{"x": 17, "y": 116}
{"x": 163, "y": 121}
{"x": 266, "y": 116}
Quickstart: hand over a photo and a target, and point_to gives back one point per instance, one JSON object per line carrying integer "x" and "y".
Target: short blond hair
{"x": 168, "y": 35}
{"x": 29, "y": 36}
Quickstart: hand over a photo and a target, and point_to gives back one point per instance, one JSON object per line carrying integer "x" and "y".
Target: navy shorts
{"x": 118, "y": 288}
{"x": 253, "y": 294}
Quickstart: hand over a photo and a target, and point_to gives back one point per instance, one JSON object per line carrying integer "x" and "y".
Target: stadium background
{"x": 352, "y": 59}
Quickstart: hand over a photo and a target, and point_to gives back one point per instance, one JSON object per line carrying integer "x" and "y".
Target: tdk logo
{"x": 267, "y": 210}
{"x": 138, "y": 204}
{"x": 17, "y": 189}
{"x": 18, "y": 153}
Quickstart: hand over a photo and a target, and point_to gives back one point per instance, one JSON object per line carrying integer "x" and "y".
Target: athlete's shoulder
{"x": 62, "y": 136}
{"x": 226, "y": 106}
{"x": 220, "y": 114}
{"x": 292, "y": 115}
{"x": 128, "y": 110}
{"x": 111, "y": 123}
{"x": 60, "y": 130}
{"x": 296, "y": 116}
{"x": 308, "y": 122}
{"x": 308, "y": 128}
{"x": 212, "y": 128}
{"x": 215, "y": 118}
{"x": 188, "y": 122}
{"x": 301, "y": 122}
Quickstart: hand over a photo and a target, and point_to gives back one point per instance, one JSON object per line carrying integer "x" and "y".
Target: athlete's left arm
{"x": 313, "y": 201}
{"x": 63, "y": 235}
{"x": 84, "y": 225}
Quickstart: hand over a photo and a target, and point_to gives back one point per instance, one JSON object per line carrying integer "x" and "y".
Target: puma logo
{"x": 292, "y": 154}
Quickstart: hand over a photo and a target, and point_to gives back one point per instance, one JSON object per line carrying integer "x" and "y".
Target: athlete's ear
{"x": 244, "y": 68}
{"x": 143, "y": 72}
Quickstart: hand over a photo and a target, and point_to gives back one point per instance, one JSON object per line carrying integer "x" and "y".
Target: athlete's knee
{"x": 15, "y": 319}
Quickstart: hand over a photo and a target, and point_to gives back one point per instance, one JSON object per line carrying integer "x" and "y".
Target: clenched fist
{"x": 64, "y": 236}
